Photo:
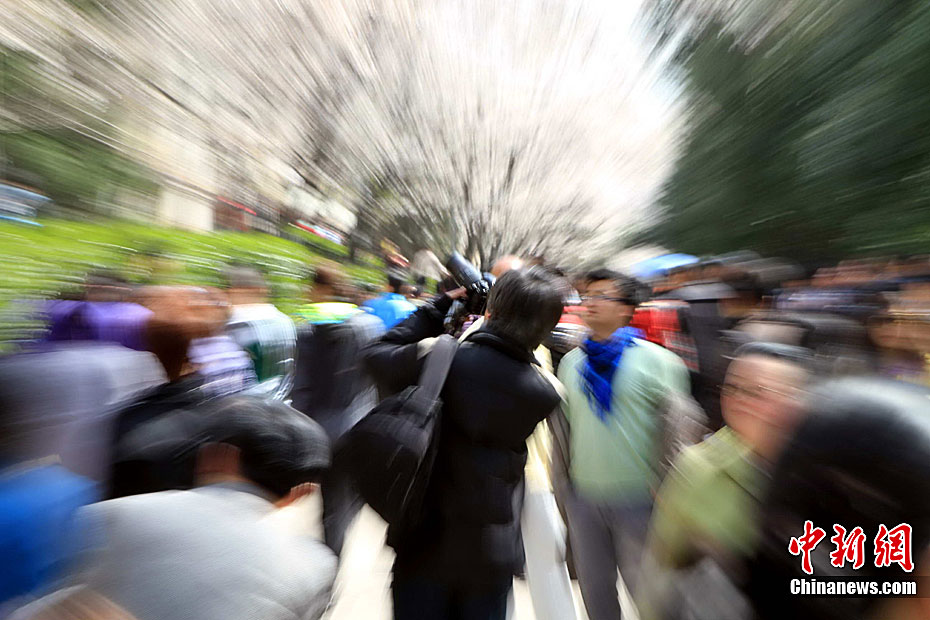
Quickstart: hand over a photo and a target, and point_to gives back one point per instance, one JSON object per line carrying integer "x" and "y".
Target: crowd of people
{"x": 680, "y": 433}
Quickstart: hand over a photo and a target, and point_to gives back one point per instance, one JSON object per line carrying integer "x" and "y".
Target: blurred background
{"x": 761, "y": 168}
{"x": 171, "y": 136}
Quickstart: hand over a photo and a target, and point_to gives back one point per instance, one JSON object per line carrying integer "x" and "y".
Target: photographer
{"x": 460, "y": 561}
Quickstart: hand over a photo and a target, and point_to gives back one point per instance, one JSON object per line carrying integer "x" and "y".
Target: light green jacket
{"x": 617, "y": 459}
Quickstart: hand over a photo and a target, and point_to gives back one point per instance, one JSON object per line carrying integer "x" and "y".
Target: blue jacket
{"x": 391, "y": 308}
{"x": 38, "y": 534}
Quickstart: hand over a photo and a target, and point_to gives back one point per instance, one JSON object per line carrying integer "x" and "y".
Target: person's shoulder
{"x": 707, "y": 458}
{"x": 548, "y": 386}
{"x": 695, "y": 465}
{"x": 315, "y": 556}
{"x": 654, "y": 353}
{"x": 275, "y": 314}
{"x": 124, "y": 518}
{"x": 40, "y": 487}
{"x": 645, "y": 347}
{"x": 375, "y": 302}
{"x": 571, "y": 359}
{"x": 365, "y": 321}
{"x": 146, "y": 502}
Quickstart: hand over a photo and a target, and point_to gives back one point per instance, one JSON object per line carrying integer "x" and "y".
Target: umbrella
{"x": 658, "y": 265}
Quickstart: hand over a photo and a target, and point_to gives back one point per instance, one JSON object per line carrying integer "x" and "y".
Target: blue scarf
{"x": 603, "y": 359}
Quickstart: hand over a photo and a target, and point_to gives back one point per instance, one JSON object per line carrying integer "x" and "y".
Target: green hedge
{"x": 319, "y": 244}
{"x": 43, "y": 262}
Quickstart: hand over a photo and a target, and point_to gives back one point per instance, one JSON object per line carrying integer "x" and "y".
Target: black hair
{"x": 860, "y": 458}
{"x": 325, "y": 275}
{"x": 168, "y": 338}
{"x": 744, "y": 281}
{"x": 798, "y": 356}
{"x": 526, "y": 304}
{"x": 625, "y": 285}
{"x": 395, "y": 281}
{"x": 279, "y": 448}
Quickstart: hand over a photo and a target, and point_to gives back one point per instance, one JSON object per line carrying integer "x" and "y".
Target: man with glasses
{"x": 615, "y": 384}
{"x": 707, "y": 511}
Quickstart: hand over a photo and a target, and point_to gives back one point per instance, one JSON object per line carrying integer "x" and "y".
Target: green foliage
{"x": 319, "y": 244}
{"x": 72, "y": 169}
{"x": 42, "y": 263}
{"x": 812, "y": 142}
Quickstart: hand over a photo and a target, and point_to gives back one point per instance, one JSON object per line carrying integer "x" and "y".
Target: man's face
{"x": 761, "y": 398}
{"x": 603, "y": 312}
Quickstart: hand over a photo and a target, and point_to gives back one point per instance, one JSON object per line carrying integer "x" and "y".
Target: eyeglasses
{"x": 589, "y": 298}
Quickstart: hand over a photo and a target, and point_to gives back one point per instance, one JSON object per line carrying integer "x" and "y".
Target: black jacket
{"x": 493, "y": 398}
{"x": 138, "y": 433}
{"x": 330, "y": 385}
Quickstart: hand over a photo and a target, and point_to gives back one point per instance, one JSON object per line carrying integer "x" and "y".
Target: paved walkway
{"x": 363, "y": 584}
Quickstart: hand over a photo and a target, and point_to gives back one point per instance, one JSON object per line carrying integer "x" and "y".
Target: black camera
{"x": 477, "y": 286}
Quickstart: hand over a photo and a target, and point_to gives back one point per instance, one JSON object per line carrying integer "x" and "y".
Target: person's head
{"x": 711, "y": 270}
{"x": 395, "y": 283}
{"x": 211, "y": 306}
{"x": 749, "y": 293}
{"x": 327, "y": 283}
{"x": 762, "y": 394}
{"x": 916, "y": 266}
{"x": 684, "y": 274}
{"x": 608, "y": 302}
{"x": 860, "y": 458}
{"x": 169, "y": 339}
{"x": 579, "y": 282}
{"x": 525, "y": 305}
{"x": 245, "y": 285}
{"x": 823, "y": 277}
{"x": 179, "y": 315}
{"x": 409, "y": 291}
{"x": 506, "y": 263}
{"x": 265, "y": 442}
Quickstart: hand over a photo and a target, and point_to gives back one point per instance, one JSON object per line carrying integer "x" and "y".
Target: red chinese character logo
{"x": 805, "y": 544}
{"x": 894, "y": 546}
{"x": 851, "y": 548}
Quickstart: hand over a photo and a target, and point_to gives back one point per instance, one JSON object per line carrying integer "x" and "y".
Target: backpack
{"x": 330, "y": 386}
{"x": 390, "y": 453}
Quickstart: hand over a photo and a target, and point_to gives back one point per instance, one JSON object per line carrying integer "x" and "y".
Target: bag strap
{"x": 436, "y": 367}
